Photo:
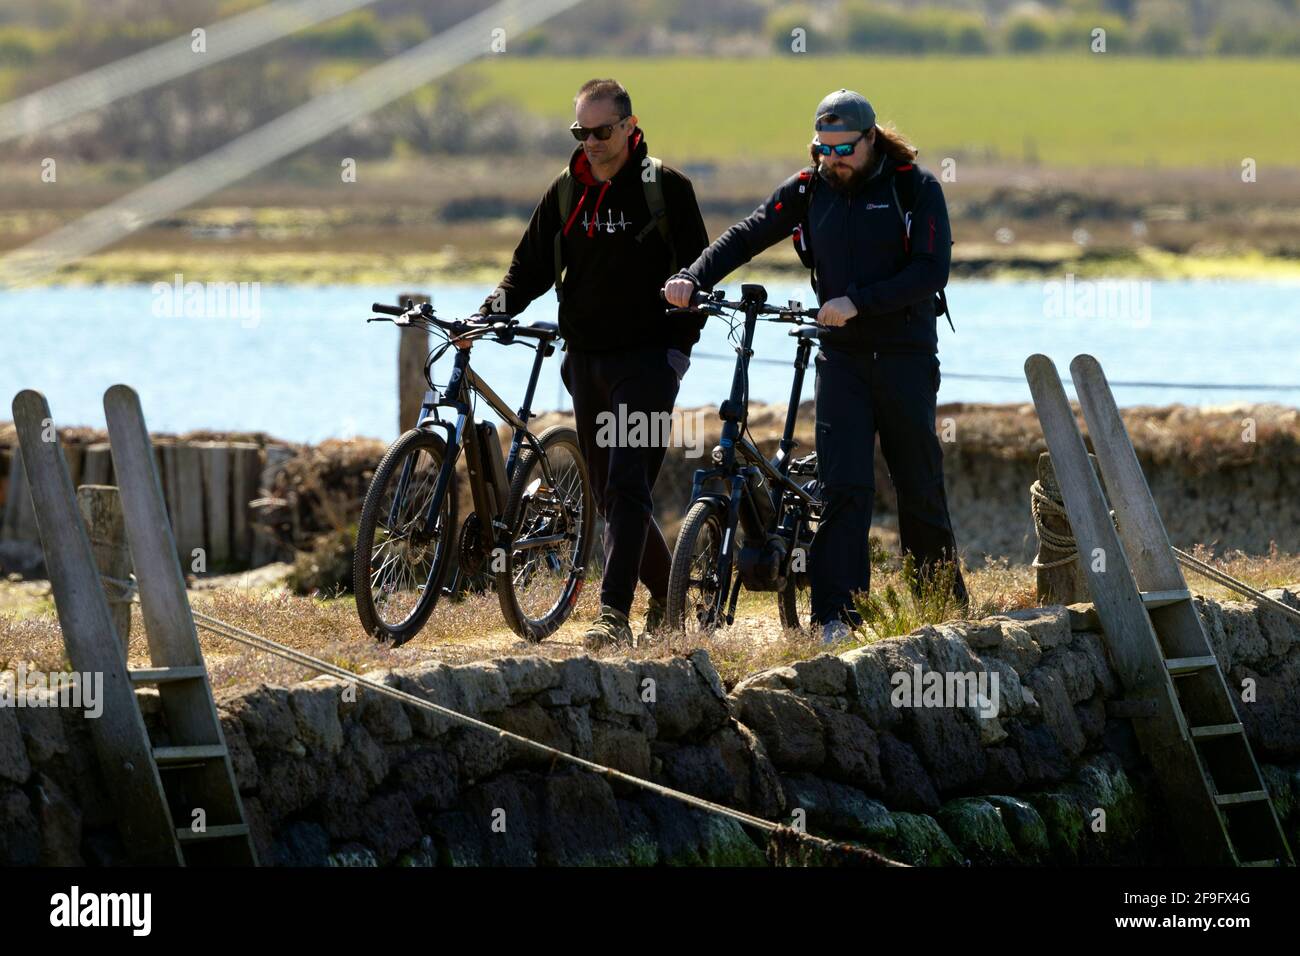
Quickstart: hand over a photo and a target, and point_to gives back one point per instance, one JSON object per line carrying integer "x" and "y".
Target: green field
{"x": 1075, "y": 111}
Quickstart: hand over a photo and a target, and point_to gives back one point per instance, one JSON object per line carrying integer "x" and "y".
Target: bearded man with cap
{"x": 873, "y": 226}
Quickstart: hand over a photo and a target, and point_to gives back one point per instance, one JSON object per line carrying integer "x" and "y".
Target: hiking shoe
{"x": 611, "y": 627}
{"x": 656, "y": 617}
{"x": 835, "y": 631}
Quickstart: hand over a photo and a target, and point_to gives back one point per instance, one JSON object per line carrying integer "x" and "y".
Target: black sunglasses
{"x": 602, "y": 133}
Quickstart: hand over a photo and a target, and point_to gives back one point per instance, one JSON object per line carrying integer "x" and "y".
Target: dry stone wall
{"x": 332, "y": 777}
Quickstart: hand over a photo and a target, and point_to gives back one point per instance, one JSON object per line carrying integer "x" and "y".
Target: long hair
{"x": 891, "y": 141}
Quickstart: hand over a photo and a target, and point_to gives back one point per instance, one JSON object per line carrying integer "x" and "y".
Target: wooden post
{"x": 101, "y": 510}
{"x": 121, "y": 740}
{"x": 265, "y": 546}
{"x": 214, "y": 457}
{"x": 20, "y": 519}
{"x": 245, "y": 466}
{"x": 97, "y": 465}
{"x": 412, "y": 350}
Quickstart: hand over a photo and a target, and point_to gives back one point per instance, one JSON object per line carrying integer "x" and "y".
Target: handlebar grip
{"x": 386, "y": 309}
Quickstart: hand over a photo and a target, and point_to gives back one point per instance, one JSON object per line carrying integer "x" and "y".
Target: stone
{"x": 920, "y": 841}
{"x": 14, "y": 765}
{"x": 424, "y": 855}
{"x": 1092, "y": 646}
{"x": 505, "y": 811}
{"x": 1048, "y": 626}
{"x": 852, "y": 750}
{"x": 242, "y": 760}
{"x": 948, "y": 745}
{"x": 619, "y": 693}
{"x": 758, "y": 788}
{"x": 907, "y": 785}
{"x": 575, "y": 723}
{"x": 774, "y": 678}
{"x": 20, "y": 835}
{"x": 1066, "y": 822}
{"x": 389, "y": 826}
{"x": 288, "y": 784}
{"x": 527, "y": 676}
{"x": 363, "y": 756}
{"x": 535, "y": 722}
{"x": 724, "y": 843}
{"x": 1057, "y": 712}
{"x": 580, "y": 823}
{"x": 1041, "y": 757}
{"x": 428, "y": 778}
{"x": 1075, "y": 671}
{"x": 1280, "y": 632}
{"x": 1091, "y": 715}
{"x": 682, "y": 703}
{"x": 787, "y": 725}
{"x": 1027, "y": 830}
{"x": 578, "y": 677}
{"x": 315, "y": 706}
{"x": 60, "y": 823}
{"x": 976, "y": 829}
{"x": 457, "y": 839}
{"x": 384, "y": 717}
{"x": 824, "y": 675}
{"x": 1018, "y": 648}
{"x": 477, "y": 753}
{"x": 432, "y": 683}
{"x": 620, "y": 748}
{"x": 834, "y": 809}
{"x": 869, "y": 672}
{"x": 1003, "y": 768}
{"x": 1245, "y": 643}
{"x": 708, "y": 673}
{"x": 268, "y": 721}
{"x": 1083, "y": 617}
{"x": 301, "y": 843}
{"x": 42, "y": 730}
{"x": 479, "y": 688}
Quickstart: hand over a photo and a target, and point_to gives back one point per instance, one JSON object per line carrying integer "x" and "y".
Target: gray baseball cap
{"x": 853, "y": 110}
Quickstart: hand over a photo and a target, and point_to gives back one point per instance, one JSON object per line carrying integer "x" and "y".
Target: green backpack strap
{"x": 565, "y": 195}
{"x": 654, "y": 198}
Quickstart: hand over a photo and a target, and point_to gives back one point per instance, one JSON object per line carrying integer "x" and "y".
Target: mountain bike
{"x": 774, "y": 505}
{"x": 532, "y": 523}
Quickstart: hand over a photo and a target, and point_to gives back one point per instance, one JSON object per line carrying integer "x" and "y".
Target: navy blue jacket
{"x": 859, "y": 250}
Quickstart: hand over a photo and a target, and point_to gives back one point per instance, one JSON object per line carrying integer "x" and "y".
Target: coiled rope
{"x": 1046, "y": 500}
{"x": 787, "y": 846}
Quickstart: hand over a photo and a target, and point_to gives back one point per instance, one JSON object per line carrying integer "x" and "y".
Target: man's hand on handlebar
{"x": 679, "y": 291}
{"x": 836, "y": 312}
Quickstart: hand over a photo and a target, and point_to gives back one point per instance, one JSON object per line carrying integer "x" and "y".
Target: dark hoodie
{"x": 611, "y": 281}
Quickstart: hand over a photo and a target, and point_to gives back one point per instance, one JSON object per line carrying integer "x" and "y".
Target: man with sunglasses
{"x": 879, "y": 263}
{"x": 611, "y": 228}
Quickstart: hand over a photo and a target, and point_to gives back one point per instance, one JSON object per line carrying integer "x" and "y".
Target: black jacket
{"x": 611, "y": 282}
{"x": 859, "y": 251}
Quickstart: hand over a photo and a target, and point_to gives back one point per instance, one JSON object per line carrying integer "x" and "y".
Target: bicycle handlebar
{"x": 712, "y": 303}
{"x": 425, "y": 315}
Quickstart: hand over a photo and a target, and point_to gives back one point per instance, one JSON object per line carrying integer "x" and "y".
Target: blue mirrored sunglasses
{"x": 841, "y": 149}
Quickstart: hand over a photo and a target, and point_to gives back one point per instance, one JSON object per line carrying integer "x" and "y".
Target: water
{"x": 307, "y": 366}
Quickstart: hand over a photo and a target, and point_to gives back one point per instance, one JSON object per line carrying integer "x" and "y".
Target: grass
{"x": 1068, "y": 110}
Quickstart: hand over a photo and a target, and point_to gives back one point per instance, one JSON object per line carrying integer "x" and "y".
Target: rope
{"x": 780, "y": 836}
{"x": 1044, "y": 502}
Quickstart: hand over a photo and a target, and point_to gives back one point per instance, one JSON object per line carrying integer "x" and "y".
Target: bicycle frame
{"x": 487, "y": 490}
{"x": 740, "y": 458}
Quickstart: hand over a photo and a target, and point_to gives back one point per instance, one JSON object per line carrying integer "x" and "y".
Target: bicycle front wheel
{"x": 399, "y": 564}
{"x": 550, "y": 513}
{"x": 695, "y": 591}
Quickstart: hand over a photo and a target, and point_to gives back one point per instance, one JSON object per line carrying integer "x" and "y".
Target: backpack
{"x": 654, "y": 199}
{"x": 904, "y": 189}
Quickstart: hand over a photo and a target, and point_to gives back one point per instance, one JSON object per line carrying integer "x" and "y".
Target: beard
{"x": 850, "y": 183}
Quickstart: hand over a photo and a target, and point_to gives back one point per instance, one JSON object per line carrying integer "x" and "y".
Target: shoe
{"x": 656, "y": 617}
{"x": 833, "y": 632}
{"x": 609, "y": 628}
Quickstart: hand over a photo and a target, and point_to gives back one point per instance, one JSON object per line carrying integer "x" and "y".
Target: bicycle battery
{"x": 494, "y": 464}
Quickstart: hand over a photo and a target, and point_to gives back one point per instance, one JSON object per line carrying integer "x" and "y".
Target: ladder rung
{"x": 165, "y": 675}
{"x": 1231, "y": 799}
{"x": 1154, "y": 599}
{"x": 1272, "y": 862}
{"x": 223, "y": 831}
{"x": 1216, "y": 730}
{"x": 169, "y": 756}
{"x": 1181, "y": 666}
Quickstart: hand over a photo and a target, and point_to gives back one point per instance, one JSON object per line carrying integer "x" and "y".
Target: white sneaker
{"x": 835, "y": 631}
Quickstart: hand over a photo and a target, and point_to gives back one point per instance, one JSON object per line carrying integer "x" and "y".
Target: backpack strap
{"x": 567, "y": 188}
{"x": 802, "y": 235}
{"x": 654, "y": 199}
{"x": 905, "y": 187}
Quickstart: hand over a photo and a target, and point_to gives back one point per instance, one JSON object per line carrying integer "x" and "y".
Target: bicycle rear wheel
{"x": 550, "y": 512}
{"x": 695, "y": 592}
{"x": 397, "y": 568}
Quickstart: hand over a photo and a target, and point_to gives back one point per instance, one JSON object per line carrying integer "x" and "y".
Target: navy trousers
{"x": 858, "y": 394}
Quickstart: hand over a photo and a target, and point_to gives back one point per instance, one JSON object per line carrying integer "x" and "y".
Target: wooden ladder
{"x": 191, "y": 780}
{"x": 1181, "y": 707}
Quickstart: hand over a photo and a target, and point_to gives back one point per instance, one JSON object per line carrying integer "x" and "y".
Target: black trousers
{"x": 858, "y": 394}
{"x": 623, "y": 384}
